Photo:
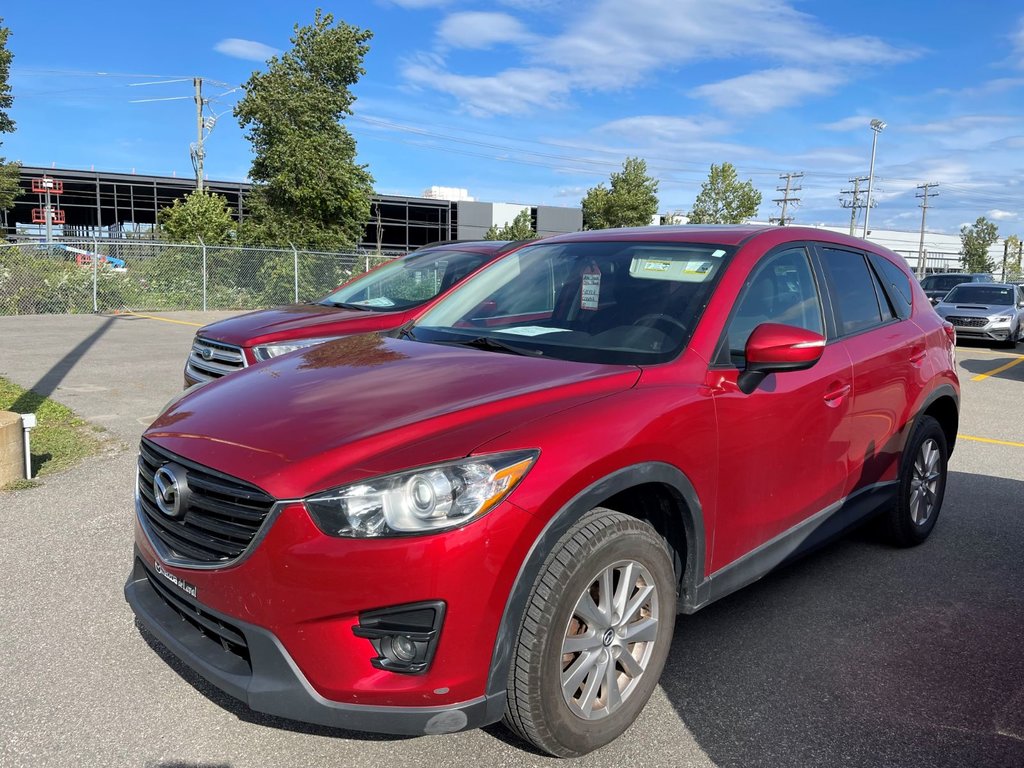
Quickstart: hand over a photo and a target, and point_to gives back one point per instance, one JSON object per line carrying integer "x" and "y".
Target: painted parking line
{"x": 990, "y": 441}
{"x": 1000, "y": 369}
{"x": 163, "y": 319}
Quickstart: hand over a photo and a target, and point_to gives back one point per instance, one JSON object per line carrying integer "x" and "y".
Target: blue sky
{"x": 535, "y": 101}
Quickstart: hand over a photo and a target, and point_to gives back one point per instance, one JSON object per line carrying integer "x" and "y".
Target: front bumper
{"x": 275, "y": 628}
{"x": 253, "y": 666}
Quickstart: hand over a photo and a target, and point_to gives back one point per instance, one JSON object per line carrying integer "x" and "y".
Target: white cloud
{"x": 250, "y": 50}
{"x": 663, "y": 128}
{"x": 1000, "y": 215}
{"x": 1018, "y": 42}
{"x": 766, "y": 90}
{"x": 851, "y": 123}
{"x": 508, "y": 93}
{"x": 477, "y": 30}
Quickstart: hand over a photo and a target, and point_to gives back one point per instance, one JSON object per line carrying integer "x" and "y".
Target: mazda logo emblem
{"x": 207, "y": 353}
{"x": 170, "y": 490}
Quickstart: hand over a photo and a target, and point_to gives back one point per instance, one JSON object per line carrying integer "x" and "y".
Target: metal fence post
{"x": 295, "y": 254}
{"x": 95, "y": 259}
{"x": 204, "y": 271}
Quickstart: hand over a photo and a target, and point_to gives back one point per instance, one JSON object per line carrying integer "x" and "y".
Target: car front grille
{"x": 203, "y": 623}
{"x": 968, "y": 322}
{"x": 221, "y": 515}
{"x": 210, "y": 360}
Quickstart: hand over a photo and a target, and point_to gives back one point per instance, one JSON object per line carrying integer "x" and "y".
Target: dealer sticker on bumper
{"x": 184, "y": 586}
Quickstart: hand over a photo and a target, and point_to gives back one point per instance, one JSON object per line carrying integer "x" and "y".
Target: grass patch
{"x": 60, "y": 440}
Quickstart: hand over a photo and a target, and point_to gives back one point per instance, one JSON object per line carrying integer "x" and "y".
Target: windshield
{"x": 408, "y": 281}
{"x": 944, "y": 282}
{"x": 978, "y": 293}
{"x": 604, "y": 302}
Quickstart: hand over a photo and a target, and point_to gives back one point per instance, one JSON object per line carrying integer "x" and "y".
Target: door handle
{"x": 835, "y": 397}
{"x": 917, "y": 356}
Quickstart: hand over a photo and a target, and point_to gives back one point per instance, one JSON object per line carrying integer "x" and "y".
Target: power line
{"x": 854, "y": 203}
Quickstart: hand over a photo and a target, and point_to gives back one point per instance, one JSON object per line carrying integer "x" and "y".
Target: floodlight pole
{"x": 877, "y": 126}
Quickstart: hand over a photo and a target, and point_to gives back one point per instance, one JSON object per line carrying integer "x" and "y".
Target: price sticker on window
{"x": 590, "y": 290}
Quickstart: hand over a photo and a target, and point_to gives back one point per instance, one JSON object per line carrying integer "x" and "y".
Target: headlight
{"x": 420, "y": 500}
{"x": 1000, "y": 320}
{"x": 267, "y": 351}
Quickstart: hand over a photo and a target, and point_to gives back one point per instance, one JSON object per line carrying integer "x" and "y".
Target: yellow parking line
{"x": 990, "y": 440}
{"x": 1000, "y": 369}
{"x": 164, "y": 319}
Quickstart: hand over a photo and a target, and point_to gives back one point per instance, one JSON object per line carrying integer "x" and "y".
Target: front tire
{"x": 922, "y": 485}
{"x": 594, "y": 637}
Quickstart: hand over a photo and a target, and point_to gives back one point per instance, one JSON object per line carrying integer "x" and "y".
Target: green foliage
{"x": 8, "y": 171}
{"x": 520, "y": 228}
{"x": 975, "y": 241}
{"x": 201, "y": 215}
{"x": 630, "y": 201}
{"x": 308, "y": 188}
{"x": 60, "y": 440}
{"x": 723, "y": 199}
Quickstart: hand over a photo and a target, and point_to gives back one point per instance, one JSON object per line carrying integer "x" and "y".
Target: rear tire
{"x": 594, "y": 637}
{"x": 922, "y": 485}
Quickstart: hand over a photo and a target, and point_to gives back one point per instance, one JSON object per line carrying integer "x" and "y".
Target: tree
{"x": 520, "y": 228}
{"x": 9, "y": 172}
{"x": 307, "y": 187}
{"x": 202, "y": 215}
{"x": 975, "y": 241}
{"x": 630, "y": 200}
{"x": 723, "y": 199}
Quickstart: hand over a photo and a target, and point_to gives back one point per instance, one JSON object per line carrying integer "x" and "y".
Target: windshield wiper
{"x": 488, "y": 342}
{"x": 346, "y": 305}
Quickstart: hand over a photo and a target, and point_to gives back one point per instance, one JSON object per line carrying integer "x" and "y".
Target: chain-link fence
{"x": 111, "y": 275}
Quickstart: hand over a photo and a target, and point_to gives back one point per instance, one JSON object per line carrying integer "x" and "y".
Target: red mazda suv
{"x": 497, "y": 511}
{"x": 379, "y": 300}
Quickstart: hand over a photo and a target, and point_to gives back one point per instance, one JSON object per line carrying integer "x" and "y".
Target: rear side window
{"x": 853, "y": 290}
{"x": 896, "y": 283}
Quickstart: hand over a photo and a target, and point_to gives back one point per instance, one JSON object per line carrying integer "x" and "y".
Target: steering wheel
{"x": 654, "y": 318}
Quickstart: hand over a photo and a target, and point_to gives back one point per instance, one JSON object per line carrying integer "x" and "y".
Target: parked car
{"x": 938, "y": 285}
{"x": 376, "y": 301}
{"x": 989, "y": 312}
{"x": 497, "y": 512}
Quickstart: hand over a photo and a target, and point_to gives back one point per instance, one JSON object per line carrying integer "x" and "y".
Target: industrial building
{"x": 101, "y": 204}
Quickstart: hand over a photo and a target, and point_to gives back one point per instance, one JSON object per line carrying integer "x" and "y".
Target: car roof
{"x": 469, "y": 246}
{"x": 717, "y": 234}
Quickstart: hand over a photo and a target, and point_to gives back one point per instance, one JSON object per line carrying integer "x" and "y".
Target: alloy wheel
{"x": 609, "y": 640}
{"x": 925, "y": 482}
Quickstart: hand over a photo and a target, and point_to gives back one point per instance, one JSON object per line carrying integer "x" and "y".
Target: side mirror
{"x": 775, "y": 348}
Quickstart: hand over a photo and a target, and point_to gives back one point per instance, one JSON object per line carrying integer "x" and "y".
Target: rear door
{"x": 871, "y": 307}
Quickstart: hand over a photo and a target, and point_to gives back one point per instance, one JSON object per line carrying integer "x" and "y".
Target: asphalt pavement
{"x": 859, "y": 655}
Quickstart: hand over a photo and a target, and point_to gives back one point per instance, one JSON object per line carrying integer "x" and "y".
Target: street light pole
{"x": 877, "y": 126}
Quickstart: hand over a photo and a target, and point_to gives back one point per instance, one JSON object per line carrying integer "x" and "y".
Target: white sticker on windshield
{"x": 590, "y": 291}
{"x": 532, "y": 330}
{"x": 380, "y": 301}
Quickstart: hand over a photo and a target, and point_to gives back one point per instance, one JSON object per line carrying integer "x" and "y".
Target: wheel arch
{"x": 651, "y": 491}
{"x": 943, "y": 405}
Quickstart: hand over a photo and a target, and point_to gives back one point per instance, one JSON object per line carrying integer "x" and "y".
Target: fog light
{"x": 403, "y": 648}
{"x": 404, "y": 637}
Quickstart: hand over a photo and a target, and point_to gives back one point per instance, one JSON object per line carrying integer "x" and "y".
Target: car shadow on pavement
{"x": 865, "y": 655}
{"x": 244, "y": 713}
{"x": 976, "y": 367}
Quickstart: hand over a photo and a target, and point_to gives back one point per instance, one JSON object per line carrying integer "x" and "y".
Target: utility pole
{"x": 854, "y": 204}
{"x": 786, "y": 199}
{"x": 198, "y": 153}
{"x": 924, "y": 195}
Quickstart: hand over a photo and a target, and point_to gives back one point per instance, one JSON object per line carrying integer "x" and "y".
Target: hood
{"x": 974, "y": 310}
{"x": 299, "y": 321}
{"x": 367, "y": 405}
